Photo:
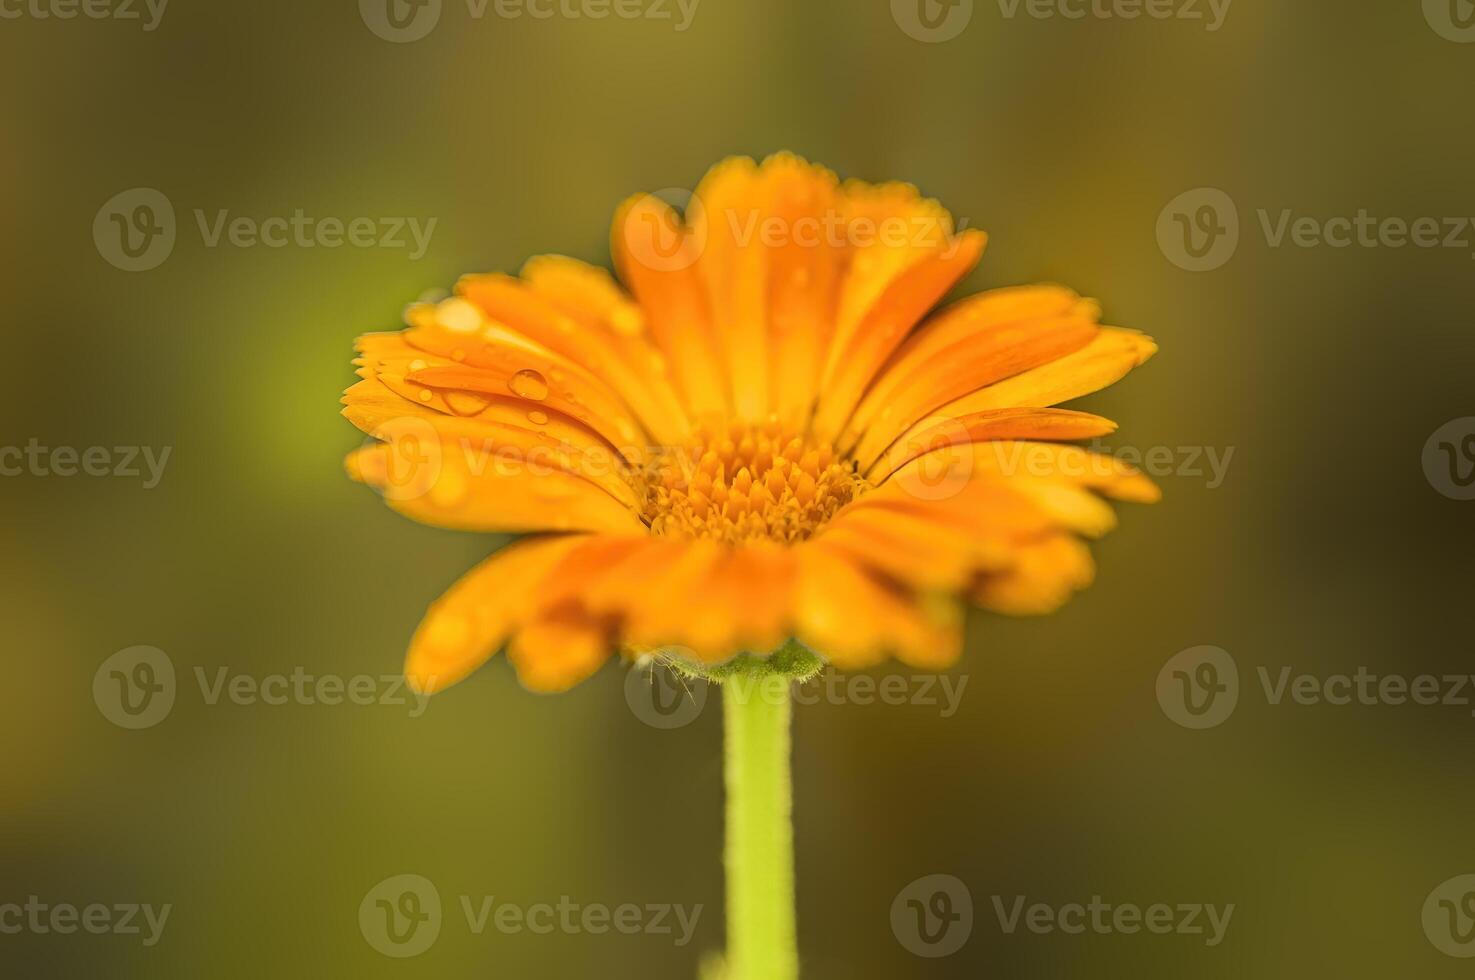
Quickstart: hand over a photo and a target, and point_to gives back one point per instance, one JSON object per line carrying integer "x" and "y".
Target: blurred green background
{"x": 1058, "y": 777}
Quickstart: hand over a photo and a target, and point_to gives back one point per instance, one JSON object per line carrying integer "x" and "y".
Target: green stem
{"x": 760, "y": 831}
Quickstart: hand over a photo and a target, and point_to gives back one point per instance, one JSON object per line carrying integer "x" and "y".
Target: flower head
{"x": 761, "y": 435}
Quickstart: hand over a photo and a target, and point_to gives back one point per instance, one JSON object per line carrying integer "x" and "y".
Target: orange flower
{"x": 759, "y": 437}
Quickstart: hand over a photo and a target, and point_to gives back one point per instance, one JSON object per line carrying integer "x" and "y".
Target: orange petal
{"x": 804, "y": 270}
{"x": 852, "y": 618}
{"x": 542, "y": 380}
{"x": 654, "y": 254}
{"x": 984, "y": 359}
{"x": 952, "y": 328}
{"x": 1047, "y": 574}
{"x": 572, "y": 309}
{"x": 552, "y": 655}
{"x": 969, "y": 317}
{"x": 679, "y": 606}
{"x": 470, "y": 622}
{"x": 945, "y": 471}
{"x": 938, "y": 433}
{"x": 733, "y": 270}
{"x": 1102, "y": 362}
{"x": 854, "y": 360}
{"x": 502, "y": 428}
{"x": 451, "y": 484}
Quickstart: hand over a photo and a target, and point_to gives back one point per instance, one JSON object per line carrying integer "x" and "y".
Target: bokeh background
{"x": 1060, "y": 776}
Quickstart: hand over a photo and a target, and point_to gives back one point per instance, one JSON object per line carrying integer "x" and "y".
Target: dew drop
{"x": 467, "y": 402}
{"x": 528, "y": 383}
{"x": 426, "y": 395}
{"x": 538, "y": 418}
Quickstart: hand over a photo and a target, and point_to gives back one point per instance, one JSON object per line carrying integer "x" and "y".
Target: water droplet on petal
{"x": 426, "y": 395}
{"x": 538, "y": 418}
{"x": 528, "y": 383}
{"x": 467, "y": 402}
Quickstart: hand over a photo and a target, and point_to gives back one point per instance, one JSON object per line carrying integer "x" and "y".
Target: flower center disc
{"x": 749, "y": 482}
